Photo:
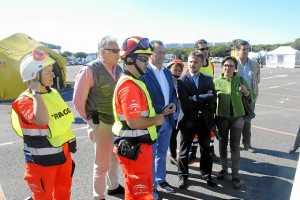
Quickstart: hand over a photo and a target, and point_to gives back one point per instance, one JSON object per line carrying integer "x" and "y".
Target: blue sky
{"x": 79, "y": 25}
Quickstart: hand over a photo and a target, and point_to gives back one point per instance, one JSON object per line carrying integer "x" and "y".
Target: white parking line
{"x": 277, "y": 76}
{"x": 282, "y": 95}
{"x": 291, "y": 109}
{"x": 277, "y": 86}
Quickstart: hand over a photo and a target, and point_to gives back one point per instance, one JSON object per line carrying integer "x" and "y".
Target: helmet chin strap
{"x": 135, "y": 65}
{"x": 139, "y": 69}
{"x": 40, "y": 78}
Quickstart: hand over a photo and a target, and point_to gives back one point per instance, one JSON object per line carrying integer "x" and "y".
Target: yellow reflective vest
{"x": 121, "y": 130}
{"x": 208, "y": 70}
{"x": 60, "y": 120}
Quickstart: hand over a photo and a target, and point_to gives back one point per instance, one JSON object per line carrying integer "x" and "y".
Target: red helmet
{"x": 135, "y": 45}
{"x": 174, "y": 61}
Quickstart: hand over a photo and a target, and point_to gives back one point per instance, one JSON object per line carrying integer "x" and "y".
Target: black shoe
{"x": 249, "y": 148}
{"x": 293, "y": 149}
{"x": 211, "y": 183}
{"x": 215, "y": 158}
{"x": 167, "y": 187}
{"x": 118, "y": 190}
{"x": 236, "y": 182}
{"x": 222, "y": 174}
{"x": 182, "y": 182}
{"x": 209, "y": 180}
{"x": 28, "y": 198}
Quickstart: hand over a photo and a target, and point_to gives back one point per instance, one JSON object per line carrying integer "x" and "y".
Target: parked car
{"x": 216, "y": 59}
{"x": 167, "y": 60}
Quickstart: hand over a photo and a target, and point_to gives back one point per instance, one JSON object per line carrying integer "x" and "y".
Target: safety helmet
{"x": 174, "y": 61}
{"x": 33, "y": 63}
{"x": 135, "y": 45}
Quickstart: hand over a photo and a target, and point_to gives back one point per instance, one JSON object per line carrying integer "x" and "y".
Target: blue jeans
{"x": 232, "y": 126}
{"x": 160, "y": 148}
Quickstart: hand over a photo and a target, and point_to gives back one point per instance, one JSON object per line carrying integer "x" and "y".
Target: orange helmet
{"x": 135, "y": 45}
{"x": 174, "y": 61}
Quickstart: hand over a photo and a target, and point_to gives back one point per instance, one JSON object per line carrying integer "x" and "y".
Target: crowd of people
{"x": 134, "y": 114}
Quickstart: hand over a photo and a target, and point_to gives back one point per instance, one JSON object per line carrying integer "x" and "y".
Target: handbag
{"x": 249, "y": 113}
{"x": 128, "y": 149}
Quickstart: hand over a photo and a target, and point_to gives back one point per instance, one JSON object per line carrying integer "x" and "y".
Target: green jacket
{"x": 227, "y": 91}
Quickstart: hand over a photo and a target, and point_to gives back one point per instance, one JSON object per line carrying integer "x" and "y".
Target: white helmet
{"x": 33, "y": 63}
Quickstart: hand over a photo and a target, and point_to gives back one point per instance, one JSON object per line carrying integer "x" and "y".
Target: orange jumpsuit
{"x": 48, "y": 176}
{"x": 131, "y": 101}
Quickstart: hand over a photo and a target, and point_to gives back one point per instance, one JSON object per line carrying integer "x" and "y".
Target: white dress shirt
{"x": 163, "y": 82}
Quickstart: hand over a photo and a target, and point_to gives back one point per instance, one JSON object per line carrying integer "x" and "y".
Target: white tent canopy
{"x": 284, "y": 56}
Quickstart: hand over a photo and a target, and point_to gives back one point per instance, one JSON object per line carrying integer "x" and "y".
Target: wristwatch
{"x": 36, "y": 92}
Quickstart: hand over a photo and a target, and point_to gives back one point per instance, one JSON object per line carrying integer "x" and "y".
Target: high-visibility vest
{"x": 43, "y": 144}
{"x": 208, "y": 70}
{"x": 120, "y": 127}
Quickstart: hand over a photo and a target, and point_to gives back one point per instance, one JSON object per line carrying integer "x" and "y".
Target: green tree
{"x": 234, "y": 43}
{"x": 80, "y": 55}
{"x": 220, "y": 50}
{"x": 296, "y": 44}
{"x": 66, "y": 54}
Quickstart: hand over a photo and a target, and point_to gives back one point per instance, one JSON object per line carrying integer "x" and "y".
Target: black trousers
{"x": 173, "y": 142}
{"x": 188, "y": 128}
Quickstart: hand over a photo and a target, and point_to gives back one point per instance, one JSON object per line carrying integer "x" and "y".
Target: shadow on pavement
{"x": 279, "y": 154}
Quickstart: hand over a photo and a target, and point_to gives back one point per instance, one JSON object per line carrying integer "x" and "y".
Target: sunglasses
{"x": 203, "y": 49}
{"x": 143, "y": 58}
{"x": 143, "y": 44}
{"x": 227, "y": 65}
{"x": 113, "y": 50}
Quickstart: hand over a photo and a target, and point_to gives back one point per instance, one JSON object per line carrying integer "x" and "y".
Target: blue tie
{"x": 195, "y": 81}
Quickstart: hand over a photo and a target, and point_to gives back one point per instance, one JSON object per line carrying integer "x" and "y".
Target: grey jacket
{"x": 255, "y": 78}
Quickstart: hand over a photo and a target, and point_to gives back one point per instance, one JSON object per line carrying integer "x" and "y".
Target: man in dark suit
{"x": 197, "y": 96}
{"x": 158, "y": 80}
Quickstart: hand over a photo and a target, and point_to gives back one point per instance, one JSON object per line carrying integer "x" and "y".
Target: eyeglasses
{"x": 228, "y": 65}
{"x": 143, "y": 58}
{"x": 113, "y": 50}
{"x": 203, "y": 49}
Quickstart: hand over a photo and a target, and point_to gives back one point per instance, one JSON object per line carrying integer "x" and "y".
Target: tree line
{"x": 219, "y": 50}
{"x": 222, "y": 50}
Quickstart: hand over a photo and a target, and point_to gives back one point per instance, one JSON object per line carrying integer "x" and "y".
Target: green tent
{"x": 12, "y": 50}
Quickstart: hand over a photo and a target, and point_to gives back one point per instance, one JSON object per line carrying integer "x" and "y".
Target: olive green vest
{"x": 100, "y": 96}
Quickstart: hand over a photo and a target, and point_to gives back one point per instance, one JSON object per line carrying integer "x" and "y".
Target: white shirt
{"x": 163, "y": 82}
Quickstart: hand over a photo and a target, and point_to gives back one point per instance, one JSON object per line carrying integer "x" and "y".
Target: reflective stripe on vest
{"x": 60, "y": 120}
{"x": 144, "y": 113}
{"x": 35, "y": 132}
{"x": 43, "y": 151}
{"x": 43, "y": 145}
{"x": 118, "y": 128}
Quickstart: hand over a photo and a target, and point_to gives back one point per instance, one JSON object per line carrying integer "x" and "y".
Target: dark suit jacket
{"x": 203, "y": 101}
{"x": 156, "y": 93}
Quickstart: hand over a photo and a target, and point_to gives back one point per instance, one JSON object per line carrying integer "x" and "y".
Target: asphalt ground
{"x": 266, "y": 174}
